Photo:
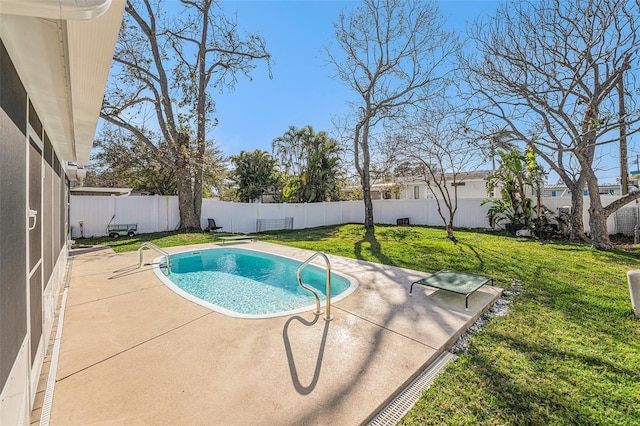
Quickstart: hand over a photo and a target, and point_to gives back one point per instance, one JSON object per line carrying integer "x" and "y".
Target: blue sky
{"x": 302, "y": 90}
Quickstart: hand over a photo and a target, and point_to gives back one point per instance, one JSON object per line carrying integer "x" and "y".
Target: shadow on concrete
{"x": 300, "y": 388}
{"x": 78, "y": 250}
{"x": 129, "y": 270}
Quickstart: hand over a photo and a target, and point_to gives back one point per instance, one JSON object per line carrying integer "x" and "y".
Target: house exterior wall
{"x": 472, "y": 188}
{"x": 32, "y": 249}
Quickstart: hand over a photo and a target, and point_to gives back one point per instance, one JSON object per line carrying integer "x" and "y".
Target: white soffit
{"x": 64, "y": 66}
{"x": 91, "y": 46}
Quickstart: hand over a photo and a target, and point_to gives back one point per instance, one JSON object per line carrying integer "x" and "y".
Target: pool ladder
{"x": 159, "y": 250}
{"x": 311, "y": 290}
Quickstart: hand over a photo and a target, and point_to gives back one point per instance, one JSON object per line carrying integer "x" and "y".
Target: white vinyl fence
{"x": 90, "y": 215}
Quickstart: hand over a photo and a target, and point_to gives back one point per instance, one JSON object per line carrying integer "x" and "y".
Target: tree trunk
{"x": 198, "y": 181}
{"x": 584, "y": 154}
{"x": 624, "y": 168}
{"x": 598, "y": 222}
{"x": 449, "y": 228}
{"x": 189, "y": 219}
{"x": 365, "y": 179}
{"x": 446, "y": 199}
{"x": 365, "y": 172}
{"x": 576, "y": 224}
{"x": 597, "y": 218}
{"x": 368, "y": 208}
{"x": 452, "y": 212}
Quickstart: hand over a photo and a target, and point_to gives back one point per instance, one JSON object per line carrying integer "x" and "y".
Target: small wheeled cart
{"x": 116, "y": 231}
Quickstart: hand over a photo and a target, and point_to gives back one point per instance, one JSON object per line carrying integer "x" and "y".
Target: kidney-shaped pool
{"x": 248, "y": 283}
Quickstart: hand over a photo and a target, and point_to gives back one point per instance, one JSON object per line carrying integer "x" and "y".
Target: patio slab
{"x": 134, "y": 352}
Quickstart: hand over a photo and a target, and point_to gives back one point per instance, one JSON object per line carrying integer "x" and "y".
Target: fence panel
{"x": 471, "y": 214}
{"x": 92, "y": 212}
{"x": 352, "y": 211}
{"x": 333, "y": 215}
{"x": 387, "y": 211}
{"x": 222, "y": 213}
{"x": 299, "y": 214}
{"x": 160, "y": 213}
{"x": 142, "y": 211}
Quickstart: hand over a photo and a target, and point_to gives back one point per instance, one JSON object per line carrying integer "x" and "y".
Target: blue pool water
{"x": 248, "y": 283}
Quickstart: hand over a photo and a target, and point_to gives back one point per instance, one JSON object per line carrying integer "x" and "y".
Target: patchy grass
{"x": 568, "y": 352}
{"x": 161, "y": 239}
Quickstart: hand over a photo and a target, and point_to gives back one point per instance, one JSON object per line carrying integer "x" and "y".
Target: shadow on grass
{"x": 557, "y": 399}
{"x": 559, "y": 356}
{"x": 525, "y": 404}
{"x": 374, "y": 248}
{"x": 475, "y": 252}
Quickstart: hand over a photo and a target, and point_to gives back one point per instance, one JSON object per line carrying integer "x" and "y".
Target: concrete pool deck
{"x": 134, "y": 352}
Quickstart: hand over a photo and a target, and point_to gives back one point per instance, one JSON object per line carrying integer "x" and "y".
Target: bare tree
{"x": 546, "y": 72}
{"x": 439, "y": 148}
{"x": 392, "y": 54}
{"x": 163, "y": 67}
{"x": 624, "y": 159}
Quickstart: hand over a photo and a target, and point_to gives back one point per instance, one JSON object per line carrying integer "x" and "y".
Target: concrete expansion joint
{"x": 135, "y": 346}
{"x": 116, "y": 295}
{"x": 386, "y": 328}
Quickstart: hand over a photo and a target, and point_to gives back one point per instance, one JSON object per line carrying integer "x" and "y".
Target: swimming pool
{"x": 246, "y": 283}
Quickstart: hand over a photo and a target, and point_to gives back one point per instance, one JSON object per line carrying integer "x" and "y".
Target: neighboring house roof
{"x": 83, "y": 190}
{"x": 556, "y": 186}
{"x": 559, "y": 186}
{"x": 460, "y": 176}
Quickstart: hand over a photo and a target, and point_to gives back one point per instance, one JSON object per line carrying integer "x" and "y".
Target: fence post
{"x": 113, "y": 206}
{"x": 156, "y": 206}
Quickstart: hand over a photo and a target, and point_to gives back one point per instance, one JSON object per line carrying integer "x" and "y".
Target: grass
{"x": 161, "y": 239}
{"x": 568, "y": 352}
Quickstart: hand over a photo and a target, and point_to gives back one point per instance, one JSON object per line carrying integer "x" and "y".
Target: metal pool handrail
{"x": 156, "y": 248}
{"x": 311, "y": 290}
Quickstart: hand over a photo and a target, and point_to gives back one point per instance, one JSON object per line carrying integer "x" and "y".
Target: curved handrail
{"x": 156, "y": 248}
{"x": 311, "y": 290}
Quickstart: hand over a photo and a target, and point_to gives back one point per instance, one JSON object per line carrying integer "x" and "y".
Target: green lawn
{"x": 568, "y": 352}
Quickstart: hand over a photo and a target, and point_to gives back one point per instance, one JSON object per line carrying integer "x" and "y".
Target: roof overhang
{"x": 101, "y": 191}
{"x": 62, "y": 50}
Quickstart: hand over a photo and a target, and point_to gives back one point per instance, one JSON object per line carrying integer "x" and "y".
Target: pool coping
{"x": 121, "y": 323}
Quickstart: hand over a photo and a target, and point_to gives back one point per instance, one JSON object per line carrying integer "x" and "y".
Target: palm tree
{"x": 254, "y": 174}
{"x": 312, "y": 161}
